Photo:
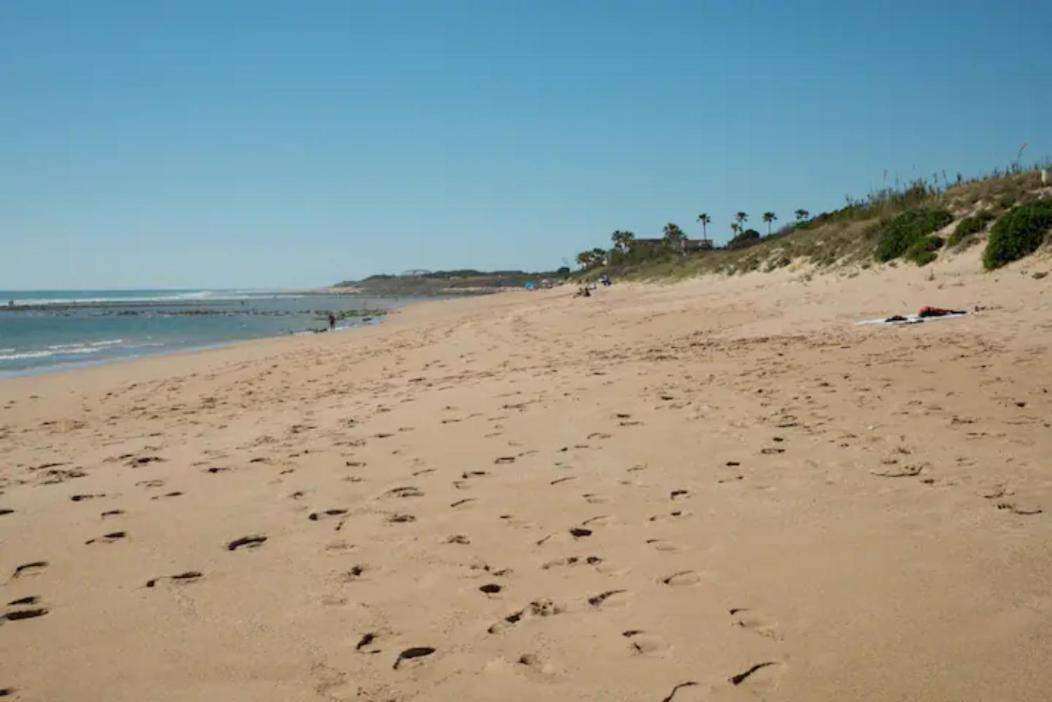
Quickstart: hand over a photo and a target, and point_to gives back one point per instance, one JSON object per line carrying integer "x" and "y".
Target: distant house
{"x": 686, "y": 244}
{"x": 697, "y": 244}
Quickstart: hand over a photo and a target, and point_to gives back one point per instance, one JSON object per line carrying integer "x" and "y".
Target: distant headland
{"x": 465, "y": 281}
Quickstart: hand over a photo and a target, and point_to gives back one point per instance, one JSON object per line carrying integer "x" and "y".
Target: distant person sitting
{"x": 605, "y": 280}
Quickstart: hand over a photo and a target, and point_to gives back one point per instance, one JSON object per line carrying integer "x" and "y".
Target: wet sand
{"x": 715, "y": 490}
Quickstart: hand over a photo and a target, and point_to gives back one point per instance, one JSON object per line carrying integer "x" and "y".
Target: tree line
{"x": 627, "y": 249}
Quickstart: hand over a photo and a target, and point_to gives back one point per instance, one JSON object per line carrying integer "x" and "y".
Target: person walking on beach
{"x": 332, "y": 322}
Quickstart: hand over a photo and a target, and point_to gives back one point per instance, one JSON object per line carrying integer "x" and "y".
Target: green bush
{"x": 969, "y": 227}
{"x": 907, "y": 229}
{"x": 922, "y": 251}
{"x": 1018, "y": 233}
{"x": 750, "y": 237}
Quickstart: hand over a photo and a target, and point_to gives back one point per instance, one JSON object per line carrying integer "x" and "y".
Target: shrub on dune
{"x": 909, "y": 228}
{"x": 969, "y": 227}
{"x": 1018, "y": 233}
{"x": 922, "y": 251}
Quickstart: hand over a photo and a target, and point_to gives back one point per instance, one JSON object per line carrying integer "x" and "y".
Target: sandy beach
{"x": 720, "y": 489}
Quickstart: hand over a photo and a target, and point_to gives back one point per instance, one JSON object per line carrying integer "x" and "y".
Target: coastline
{"x": 548, "y": 497}
{"x": 63, "y": 330}
{"x": 96, "y": 363}
{"x": 157, "y": 365}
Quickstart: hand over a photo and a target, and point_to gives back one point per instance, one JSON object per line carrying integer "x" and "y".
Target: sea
{"x": 48, "y": 330}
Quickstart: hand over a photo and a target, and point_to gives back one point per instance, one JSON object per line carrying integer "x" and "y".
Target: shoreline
{"x": 60, "y": 336}
{"x": 154, "y": 363}
{"x": 90, "y": 363}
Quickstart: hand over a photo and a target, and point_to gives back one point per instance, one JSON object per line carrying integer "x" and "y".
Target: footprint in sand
{"x": 29, "y": 568}
{"x": 572, "y": 561}
{"x": 188, "y": 576}
{"x": 895, "y": 472}
{"x": 140, "y": 461}
{"x": 662, "y": 545}
{"x": 408, "y": 491}
{"x": 367, "y": 640}
{"x": 411, "y": 653}
{"x": 83, "y": 497}
{"x": 20, "y": 614}
{"x": 683, "y": 578}
{"x": 1022, "y": 511}
{"x": 669, "y": 697}
{"x": 610, "y": 598}
{"x": 746, "y": 618}
{"x": 355, "y": 573}
{"x": 536, "y": 609}
{"x": 108, "y": 538}
{"x": 675, "y": 514}
{"x": 744, "y": 675}
{"x": 315, "y": 516}
{"x": 246, "y": 542}
{"x": 643, "y": 643}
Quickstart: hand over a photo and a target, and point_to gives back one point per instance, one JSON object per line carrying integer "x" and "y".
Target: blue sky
{"x": 277, "y": 144}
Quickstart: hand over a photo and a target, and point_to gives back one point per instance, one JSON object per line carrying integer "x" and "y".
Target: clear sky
{"x": 275, "y": 144}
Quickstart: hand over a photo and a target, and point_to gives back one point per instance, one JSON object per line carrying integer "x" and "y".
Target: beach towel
{"x": 913, "y": 318}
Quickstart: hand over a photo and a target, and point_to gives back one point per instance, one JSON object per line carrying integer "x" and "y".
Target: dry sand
{"x": 637, "y": 496}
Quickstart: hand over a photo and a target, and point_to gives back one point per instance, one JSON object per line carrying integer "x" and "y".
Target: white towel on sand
{"x": 910, "y": 319}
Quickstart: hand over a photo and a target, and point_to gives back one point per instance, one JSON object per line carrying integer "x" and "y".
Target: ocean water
{"x": 47, "y": 330}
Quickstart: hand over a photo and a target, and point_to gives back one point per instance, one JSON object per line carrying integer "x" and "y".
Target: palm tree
{"x": 674, "y": 236}
{"x": 741, "y": 218}
{"x": 769, "y": 217}
{"x": 622, "y": 240}
{"x": 735, "y": 227}
{"x": 801, "y": 215}
{"x": 705, "y": 220}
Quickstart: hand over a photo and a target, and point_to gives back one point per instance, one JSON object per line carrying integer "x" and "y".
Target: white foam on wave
{"x": 181, "y": 296}
{"x": 65, "y": 348}
{"x": 59, "y": 350}
{"x": 25, "y": 354}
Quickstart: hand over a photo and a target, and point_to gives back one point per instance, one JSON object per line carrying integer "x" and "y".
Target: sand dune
{"x": 715, "y": 490}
